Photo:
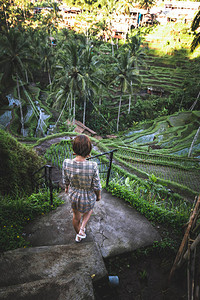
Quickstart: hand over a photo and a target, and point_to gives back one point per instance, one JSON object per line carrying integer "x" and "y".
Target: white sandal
{"x": 82, "y": 236}
{"x": 78, "y": 239}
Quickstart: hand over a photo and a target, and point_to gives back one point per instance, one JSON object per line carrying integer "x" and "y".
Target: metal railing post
{"x": 45, "y": 175}
{"x": 50, "y": 184}
{"x": 48, "y": 179}
{"x": 109, "y": 168}
{"x": 110, "y": 162}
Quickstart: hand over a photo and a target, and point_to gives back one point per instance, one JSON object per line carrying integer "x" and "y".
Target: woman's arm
{"x": 98, "y": 194}
{"x": 65, "y": 178}
{"x": 66, "y": 189}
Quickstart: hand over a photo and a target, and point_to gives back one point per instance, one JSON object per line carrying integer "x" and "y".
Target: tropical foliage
{"x": 195, "y": 26}
{"x": 82, "y": 75}
{"x": 18, "y": 211}
{"x": 17, "y": 165}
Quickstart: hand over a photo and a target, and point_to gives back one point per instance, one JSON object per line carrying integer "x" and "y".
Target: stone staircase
{"x": 58, "y": 268}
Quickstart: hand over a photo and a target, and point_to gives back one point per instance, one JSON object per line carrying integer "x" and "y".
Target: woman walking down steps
{"x": 82, "y": 184}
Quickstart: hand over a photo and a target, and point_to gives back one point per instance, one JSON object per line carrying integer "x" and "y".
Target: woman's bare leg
{"x": 76, "y": 221}
{"x": 86, "y": 217}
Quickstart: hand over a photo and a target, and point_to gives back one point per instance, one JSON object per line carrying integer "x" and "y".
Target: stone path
{"x": 58, "y": 268}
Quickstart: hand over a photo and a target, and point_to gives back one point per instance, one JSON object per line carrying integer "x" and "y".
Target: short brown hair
{"x": 82, "y": 145}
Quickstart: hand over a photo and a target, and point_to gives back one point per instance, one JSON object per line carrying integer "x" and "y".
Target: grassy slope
{"x": 17, "y": 164}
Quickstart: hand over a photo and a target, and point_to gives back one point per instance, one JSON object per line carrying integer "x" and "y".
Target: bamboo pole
{"x": 196, "y": 293}
{"x": 193, "y": 246}
{"x": 185, "y": 239}
{"x": 188, "y": 274}
{"x": 193, "y": 274}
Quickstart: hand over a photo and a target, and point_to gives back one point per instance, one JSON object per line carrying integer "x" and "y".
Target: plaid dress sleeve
{"x": 65, "y": 177}
{"x": 96, "y": 183}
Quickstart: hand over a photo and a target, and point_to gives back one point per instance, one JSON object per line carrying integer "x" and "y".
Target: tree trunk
{"x": 49, "y": 75}
{"x": 26, "y": 74}
{"x": 74, "y": 112}
{"x": 71, "y": 104}
{"x": 120, "y": 102}
{"x": 112, "y": 43}
{"x": 193, "y": 142}
{"x": 20, "y": 105}
{"x": 84, "y": 110}
{"x": 135, "y": 98}
{"x": 195, "y": 102}
{"x": 129, "y": 105}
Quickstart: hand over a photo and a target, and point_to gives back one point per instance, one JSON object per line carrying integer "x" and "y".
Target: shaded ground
{"x": 144, "y": 278}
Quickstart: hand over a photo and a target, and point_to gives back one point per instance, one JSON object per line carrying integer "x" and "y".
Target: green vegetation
{"x": 18, "y": 163}
{"x": 66, "y": 75}
{"x": 18, "y": 211}
{"x": 58, "y": 152}
{"x": 101, "y": 84}
{"x": 147, "y": 199}
{"x": 149, "y": 196}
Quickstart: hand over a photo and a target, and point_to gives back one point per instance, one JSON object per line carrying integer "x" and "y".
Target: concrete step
{"x": 114, "y": 225}
{"x": 51, "y": 272}
{"x": 119, "y": 228}
{"x": 56, "y": 267}
{"x": 69, "y": 287}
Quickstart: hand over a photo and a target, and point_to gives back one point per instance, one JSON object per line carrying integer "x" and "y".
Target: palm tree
{"x": 4, "y": 15}
{"x": 46, "y": 59}
{"x": 93, "y": 74}
{"x": 78, "y": 74}
{"x": 134, "y": 45}
{"x": 137, "y": 55}
{"x": 195, "y": 25}
{"x": 69, "y": 77}
{"x": 146, "y": 4}
{"x": 126, "y": 73}
{"x": 109, "y": 7}
{"x": 124, "y": 6}
{"x": 14, "y": 55}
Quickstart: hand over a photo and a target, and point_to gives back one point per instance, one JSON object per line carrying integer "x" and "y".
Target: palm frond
{"x": 196, "y": 22}
{"x": 196, "y": 42}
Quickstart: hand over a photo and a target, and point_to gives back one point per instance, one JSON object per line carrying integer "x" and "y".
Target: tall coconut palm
{"x": 125, "y": 6}
{"x": 125, "y": 73}
{"x": 138, "y": 57}
{"x": 136, "y": 51}
{"x": 146, "y": 4}
{"x": 69, "y": 78}
{"x": 4, "y": 15}
{"x": 92, "y": 72}
{"x": 195, "y": 26}
{"x": 46, "y": 60}
{"x": 14, "y": 56}
{"x": 78, "y": 74}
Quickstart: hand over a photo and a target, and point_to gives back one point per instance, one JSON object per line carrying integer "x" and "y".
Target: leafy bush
{"x": 17, "y": 165}
{"x": 147, "y": 202}
{"x": 16, "y": 213}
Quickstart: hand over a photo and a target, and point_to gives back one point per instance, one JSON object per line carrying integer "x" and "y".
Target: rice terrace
{"x": 127, "y": 75}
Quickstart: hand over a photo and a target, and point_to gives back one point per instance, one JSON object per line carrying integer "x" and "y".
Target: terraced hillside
{"x": 163, "y": 80}
{"x": 161, "y": 148}
{"x": 156, "y": 150}
{"x": 161, "y": 73}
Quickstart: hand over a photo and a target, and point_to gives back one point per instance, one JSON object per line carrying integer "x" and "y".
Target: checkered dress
{"x": 83, "y": 180}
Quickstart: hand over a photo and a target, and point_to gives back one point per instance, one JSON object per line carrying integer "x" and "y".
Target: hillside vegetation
{"x": 100, "y": 84}
{"x": 18, "y": 163}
